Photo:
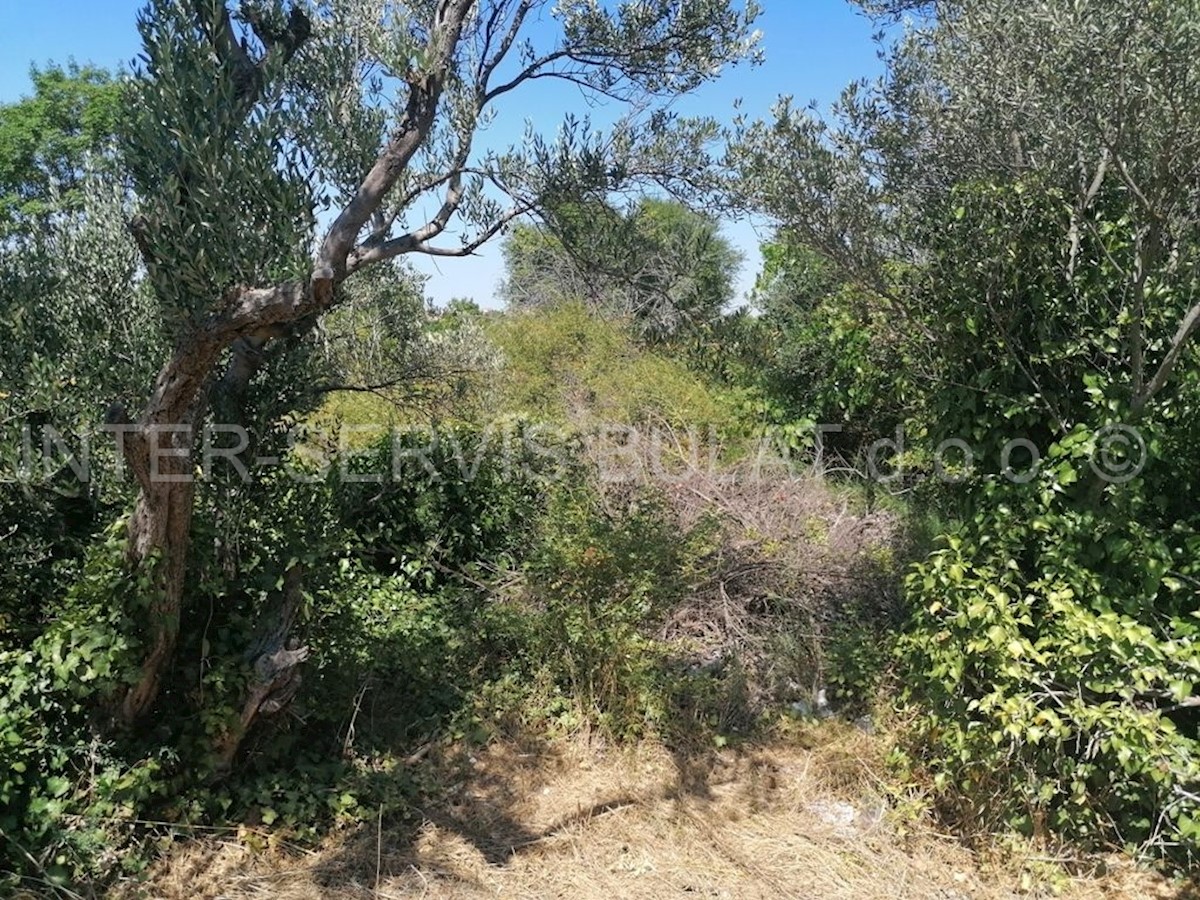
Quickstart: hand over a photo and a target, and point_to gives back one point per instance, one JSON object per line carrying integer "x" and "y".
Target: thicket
{"x": 479, "y": 589}
{"x": 1017, "y": 234}
{"x": 968, "y": 251}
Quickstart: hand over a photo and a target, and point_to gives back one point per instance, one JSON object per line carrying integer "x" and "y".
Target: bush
{"x": 1049, "y": 663}
{"x": 68, "y": 797}
{"x": 389, "y": 603}
{"x": 605, "y": 569}
{"x": 837, "y": 357}
{"x": 565, "y": 365}
{"x": 424, "y": 519}
{"x": 600, "y": 576}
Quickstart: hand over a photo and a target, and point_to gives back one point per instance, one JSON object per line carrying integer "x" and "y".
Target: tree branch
{"x": 409, "y": 243}
{"x": 1187, "y": 328}
{"x": 247, "y": 71}
{"x": 488, "y": 66}
{"x": 425, "y": 92}
{"x": 229, "y": 50}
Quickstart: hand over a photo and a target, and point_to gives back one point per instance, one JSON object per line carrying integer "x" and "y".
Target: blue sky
{"x": 813, "y": 48}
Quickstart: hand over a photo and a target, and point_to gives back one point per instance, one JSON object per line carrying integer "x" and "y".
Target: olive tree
{"x": 78, "y": 330}
{"x": 1088, "y": 106}
{"x": 1020, "y": 195}
{"x": 279, "y": 149}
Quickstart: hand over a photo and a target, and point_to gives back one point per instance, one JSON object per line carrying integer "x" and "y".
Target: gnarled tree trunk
{"x": 159, "y": 534}
{"x": 159, "y": 448}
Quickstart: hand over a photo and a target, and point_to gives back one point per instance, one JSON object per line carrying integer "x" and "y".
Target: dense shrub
{"x": 68, "y": 797}
{"x": 407, "y": 612}
{"x": 836, "y": 356}
{"x": 604, "y": 572}
{"x": 564, "y": 364}
{"x": 389, "y": 607}
{"x": 1051, "y": 660}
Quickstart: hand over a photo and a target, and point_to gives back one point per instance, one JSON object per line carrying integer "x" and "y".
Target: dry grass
{"x": 565, "y": 821}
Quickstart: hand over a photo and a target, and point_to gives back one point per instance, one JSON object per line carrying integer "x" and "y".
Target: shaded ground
{"x": 565, "y": 821}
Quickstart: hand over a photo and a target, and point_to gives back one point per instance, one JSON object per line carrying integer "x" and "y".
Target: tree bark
{"x": 275, "y": 659}
{"x": 159, "y": 536}
{"x": 158, "y": 449}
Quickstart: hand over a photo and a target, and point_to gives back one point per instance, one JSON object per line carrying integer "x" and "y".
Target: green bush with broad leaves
{"x": 70, "y": 798}
{"x": 1050, "y": 664}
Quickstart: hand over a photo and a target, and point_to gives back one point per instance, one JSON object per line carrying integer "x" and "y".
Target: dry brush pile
{"x": 799, "y": 584}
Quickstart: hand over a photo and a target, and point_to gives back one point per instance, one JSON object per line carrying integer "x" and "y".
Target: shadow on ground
{"x": 795, "y": 817}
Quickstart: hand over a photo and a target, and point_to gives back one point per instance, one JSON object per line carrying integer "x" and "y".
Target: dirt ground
{"x": 564, "y": 820}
